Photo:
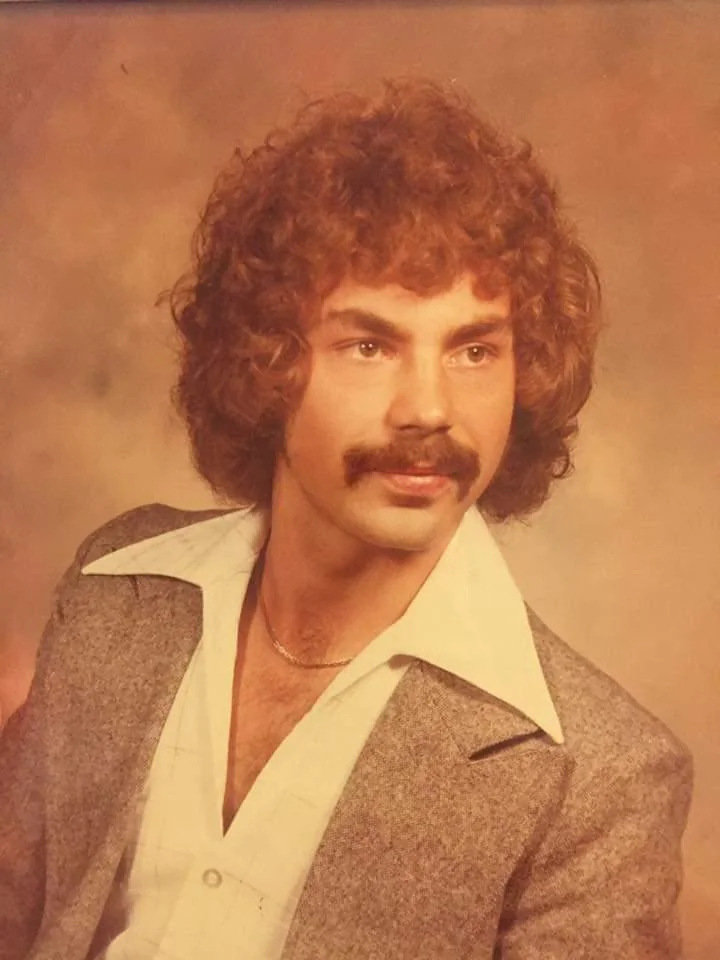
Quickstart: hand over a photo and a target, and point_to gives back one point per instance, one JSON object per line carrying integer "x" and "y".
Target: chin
{"x": 412, "y": 531}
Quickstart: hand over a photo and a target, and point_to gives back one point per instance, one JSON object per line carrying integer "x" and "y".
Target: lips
{"x": 421, "y": 470}
{"x": 423, "y": 483}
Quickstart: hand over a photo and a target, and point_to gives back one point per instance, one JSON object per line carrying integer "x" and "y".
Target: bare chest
{"x": 265, "y": 711}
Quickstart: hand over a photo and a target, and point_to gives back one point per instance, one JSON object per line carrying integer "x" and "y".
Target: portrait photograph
{"x": 359, "y": 514}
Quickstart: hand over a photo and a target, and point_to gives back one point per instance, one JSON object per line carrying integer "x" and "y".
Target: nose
{"x": 421, "y": 398}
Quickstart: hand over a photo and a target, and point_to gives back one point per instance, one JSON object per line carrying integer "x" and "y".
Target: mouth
{"x": 419, "y": 481}
{"x": 420, "y": 470}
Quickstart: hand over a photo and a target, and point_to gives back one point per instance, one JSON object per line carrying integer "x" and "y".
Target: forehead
{"x": 462, "y": 303}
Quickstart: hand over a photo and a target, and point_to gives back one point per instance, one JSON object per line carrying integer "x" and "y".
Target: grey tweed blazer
{"x": 463, "y": 832}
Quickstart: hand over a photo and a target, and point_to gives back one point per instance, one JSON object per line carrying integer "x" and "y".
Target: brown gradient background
{"x": 113, "y": 122}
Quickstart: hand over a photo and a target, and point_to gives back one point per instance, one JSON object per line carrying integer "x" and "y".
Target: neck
{"x": 328, "y": 594}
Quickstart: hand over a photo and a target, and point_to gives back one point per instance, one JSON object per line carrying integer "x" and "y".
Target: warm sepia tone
{"x": 113, "y": 123}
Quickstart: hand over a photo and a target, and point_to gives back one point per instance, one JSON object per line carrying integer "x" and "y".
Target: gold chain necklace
{"x": 285, "y": 653}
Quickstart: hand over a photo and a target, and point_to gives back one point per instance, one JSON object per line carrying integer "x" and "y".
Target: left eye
{"x": 473, "y": 355}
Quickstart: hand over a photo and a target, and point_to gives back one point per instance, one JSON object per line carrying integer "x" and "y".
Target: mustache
{"x": 440, "y": 454}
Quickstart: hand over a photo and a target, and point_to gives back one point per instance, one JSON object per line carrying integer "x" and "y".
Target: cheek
{"x": 319, "y": 434}
{"x": 487, "y": 414}
{"x": 502, "y": 401}
{"x": 339, "y": 411}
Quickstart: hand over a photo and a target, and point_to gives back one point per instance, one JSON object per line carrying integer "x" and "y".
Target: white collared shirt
{"x": 193, "y": 893}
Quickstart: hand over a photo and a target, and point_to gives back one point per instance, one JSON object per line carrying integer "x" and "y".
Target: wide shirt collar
{"x": 468, "y": 618}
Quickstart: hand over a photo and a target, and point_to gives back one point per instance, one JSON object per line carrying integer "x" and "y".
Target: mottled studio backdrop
{"x": 113, "y": 122}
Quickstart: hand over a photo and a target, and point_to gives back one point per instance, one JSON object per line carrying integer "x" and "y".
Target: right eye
{"x": 365, "y": 349}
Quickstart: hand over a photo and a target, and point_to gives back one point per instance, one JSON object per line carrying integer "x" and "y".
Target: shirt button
{"x": 212, "y": 878}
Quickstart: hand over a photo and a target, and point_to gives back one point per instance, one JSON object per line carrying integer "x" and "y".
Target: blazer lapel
{"x": 110, "y": 716}
{"x": 445, "y": 795}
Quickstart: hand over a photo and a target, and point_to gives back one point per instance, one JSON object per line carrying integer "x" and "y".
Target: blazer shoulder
{"x": 140, "y": 523}
{"x": 602, "y": 722}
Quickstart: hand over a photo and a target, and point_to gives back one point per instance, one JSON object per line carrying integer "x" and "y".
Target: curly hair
{"x": 410, "y": 187}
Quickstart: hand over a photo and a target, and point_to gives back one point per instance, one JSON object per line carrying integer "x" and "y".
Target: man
{"x": 324, "y": 725}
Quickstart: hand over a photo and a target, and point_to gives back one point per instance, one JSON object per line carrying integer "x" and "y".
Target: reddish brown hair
{"x": 411, "y": 188}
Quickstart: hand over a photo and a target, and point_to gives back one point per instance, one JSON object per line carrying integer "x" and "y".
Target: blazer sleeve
{"x": 604, "y": 881}
{"x": 22, "y": 797}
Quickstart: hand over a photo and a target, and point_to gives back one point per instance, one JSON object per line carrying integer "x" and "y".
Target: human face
{"x": 405, "y": 416}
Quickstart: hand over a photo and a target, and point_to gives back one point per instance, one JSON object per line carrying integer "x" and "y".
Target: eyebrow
{"x": 364, "y": 321}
